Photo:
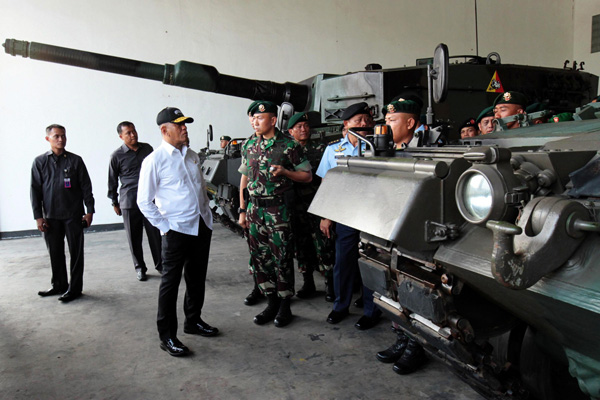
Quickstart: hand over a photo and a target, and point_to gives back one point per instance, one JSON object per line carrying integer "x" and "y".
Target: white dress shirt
{"x": 174, "y": 181}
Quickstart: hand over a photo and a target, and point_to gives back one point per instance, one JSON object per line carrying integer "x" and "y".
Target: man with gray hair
{"x": 172, "y": 195}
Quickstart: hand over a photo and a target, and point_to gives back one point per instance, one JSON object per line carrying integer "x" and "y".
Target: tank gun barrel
{"x": 184, "y": 73}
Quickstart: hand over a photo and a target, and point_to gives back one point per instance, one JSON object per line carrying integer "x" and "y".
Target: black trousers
{"x": 187, "y": 255}
{"x": 135, "y": 222}
{"x": 55, "y": 242}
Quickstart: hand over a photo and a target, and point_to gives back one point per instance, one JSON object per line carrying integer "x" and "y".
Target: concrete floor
{"x": 105, "y": 344}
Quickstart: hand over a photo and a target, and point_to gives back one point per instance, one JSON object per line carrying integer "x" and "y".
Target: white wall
{"x": 279, "y": 40}
{"x": 582, "y": 40}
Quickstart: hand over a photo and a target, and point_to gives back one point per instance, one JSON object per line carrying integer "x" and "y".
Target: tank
{"x": 484, "y": 251}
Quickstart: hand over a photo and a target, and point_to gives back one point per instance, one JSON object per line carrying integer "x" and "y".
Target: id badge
{"x": 67, "y": 183}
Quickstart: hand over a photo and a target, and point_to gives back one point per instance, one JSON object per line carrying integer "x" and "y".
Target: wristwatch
{"x": 241, "y": 210}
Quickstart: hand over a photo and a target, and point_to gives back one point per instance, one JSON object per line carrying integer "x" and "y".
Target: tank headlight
{"x": 477, "y": 196}
{"x": 480, "y": 194}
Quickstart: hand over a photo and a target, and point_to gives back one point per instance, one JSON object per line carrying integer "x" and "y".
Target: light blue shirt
{"x": 336, "y": 149}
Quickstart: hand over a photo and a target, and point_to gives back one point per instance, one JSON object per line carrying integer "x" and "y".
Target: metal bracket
{"x": 436, "y": 232}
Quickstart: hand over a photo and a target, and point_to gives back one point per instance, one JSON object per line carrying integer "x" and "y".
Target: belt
{"x": 266, "y": 201}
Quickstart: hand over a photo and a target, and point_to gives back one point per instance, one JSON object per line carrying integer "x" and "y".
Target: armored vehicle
{"x": 486, "y": 251}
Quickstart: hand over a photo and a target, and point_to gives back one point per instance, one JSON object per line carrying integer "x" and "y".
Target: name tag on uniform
{"x": 67, "y": 183}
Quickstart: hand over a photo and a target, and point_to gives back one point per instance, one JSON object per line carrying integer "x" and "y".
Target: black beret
{"x": 355, "y": 109}
{"x": 512, "y": 98}
{"x": 225, "y": 138}
{"x": 468, "y": 122}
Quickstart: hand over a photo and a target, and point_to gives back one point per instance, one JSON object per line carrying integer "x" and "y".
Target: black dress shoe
{"x": 174, "y": 347}
{"x": 50, "y": 292}
{"x": 336, "y": 316}
{"x": 141, "y": 275}
{"x": 395, "y": 351}
{"x": 253, "y": 298}
{"x": 201, "y": 328}
{"x": 69, "y": 296}
{"x": 365, "y": 323}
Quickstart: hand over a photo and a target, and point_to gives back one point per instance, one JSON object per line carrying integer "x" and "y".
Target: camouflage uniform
{"x": 271, "y": 248}
{"x": 314, "y": 251}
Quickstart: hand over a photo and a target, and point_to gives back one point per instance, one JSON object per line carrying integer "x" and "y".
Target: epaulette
{"x": 334, "y": 141}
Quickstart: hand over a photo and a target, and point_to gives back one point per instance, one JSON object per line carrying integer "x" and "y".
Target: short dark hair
{"x": 122, "y": 124}
{"x": 55, "y": 126}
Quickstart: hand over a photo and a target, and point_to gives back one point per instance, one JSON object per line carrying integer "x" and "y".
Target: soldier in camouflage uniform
{"x": 314, "y": 251}
{"x": 255, "y": 295}
{"x": 270, "y": 163}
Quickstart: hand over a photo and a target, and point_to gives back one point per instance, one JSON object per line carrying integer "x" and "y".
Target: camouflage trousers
{"x": 271, "y": 249}
{"x": 314, "y": 251}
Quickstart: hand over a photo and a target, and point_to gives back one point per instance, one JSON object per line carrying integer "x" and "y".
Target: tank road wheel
{"x": 543, "y": 376}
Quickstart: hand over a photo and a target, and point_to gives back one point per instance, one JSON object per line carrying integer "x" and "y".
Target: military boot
{"x": 284, "y": 316}
{"x": 329, "y": 291}
{"x": 308, "y": 289}
{"x": 395, "y": 351}
{"x": 412, "y": 359}
{"x": 270, "y": 312}
{"x": 254, "y": 296}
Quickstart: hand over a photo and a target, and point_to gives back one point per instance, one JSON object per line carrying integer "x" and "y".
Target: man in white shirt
{"x": 172, "y": 196}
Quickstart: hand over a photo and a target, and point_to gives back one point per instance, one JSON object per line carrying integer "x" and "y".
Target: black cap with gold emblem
{"x": 173, "y": 115}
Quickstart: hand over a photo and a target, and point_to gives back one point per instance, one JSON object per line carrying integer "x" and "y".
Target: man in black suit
{"x": 60, "y": 185}
{"x": 125, "y": 164}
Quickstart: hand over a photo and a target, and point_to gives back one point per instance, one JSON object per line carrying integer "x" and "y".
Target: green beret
{"x": 467, "y": 122}
{"x": 536, "y": 107}
{"x": 566, "y": 116}
{"x": 225, "y": 138}
{"x": 403, "y": 106}
{"x": 409, "y": 96}
{"x": 251, "y": 106}
{"x": 487, "y": 112}
{"x": 356, "y": 109}
{"x": 512, "y": 98}
{"x": 263, "y": 106}
{"x": 299, "y": 117}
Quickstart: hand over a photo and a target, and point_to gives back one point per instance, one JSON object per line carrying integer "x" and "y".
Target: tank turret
{"x": 475, "y": 83}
